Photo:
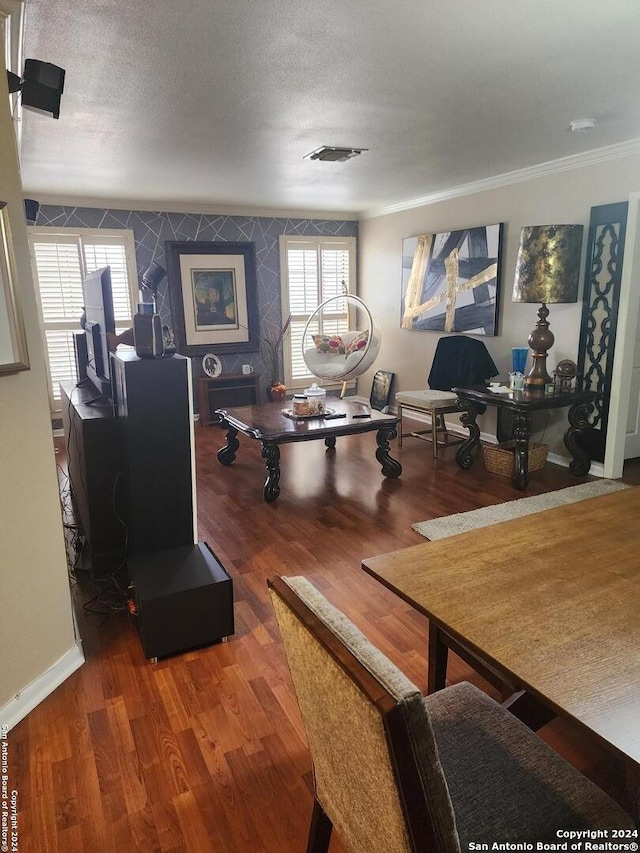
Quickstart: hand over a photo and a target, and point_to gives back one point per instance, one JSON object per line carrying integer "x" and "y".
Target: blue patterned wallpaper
{"x": 151, "y": 230}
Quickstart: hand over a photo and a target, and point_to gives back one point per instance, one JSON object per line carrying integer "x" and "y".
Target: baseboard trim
{"x": 33, "y": 694}
{"x": 596, "y": 469}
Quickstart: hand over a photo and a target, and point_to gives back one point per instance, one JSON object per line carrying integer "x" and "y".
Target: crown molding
{"x": 575, "y": 161}
{"x": 552, "y": 167}
{"x": 207, "y": 209}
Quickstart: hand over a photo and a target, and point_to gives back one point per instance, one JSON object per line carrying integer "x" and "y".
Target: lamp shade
{"x": 548, "y": 265}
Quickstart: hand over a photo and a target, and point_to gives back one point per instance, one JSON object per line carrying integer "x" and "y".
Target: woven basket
{"x": 500, "y": 458}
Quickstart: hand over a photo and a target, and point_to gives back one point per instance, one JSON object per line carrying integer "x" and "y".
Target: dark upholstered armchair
{"x": 395, "y": 771}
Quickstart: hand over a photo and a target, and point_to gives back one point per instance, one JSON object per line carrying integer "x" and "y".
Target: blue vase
{"x": 519, "y": 358}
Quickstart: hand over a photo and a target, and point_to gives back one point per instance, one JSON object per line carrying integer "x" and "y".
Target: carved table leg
{"x": 578, "y": 420}
{"x": 390, "y": 467}
{"x": 227, "y": 454}
{"x": 437, "y": 663}
{"x": 468, "y": 420}
{"x": 521, "y": 434}
{"x": 632, "y": 777}
{"x": 330, "y": 442}
{"x": 271, "y": 453}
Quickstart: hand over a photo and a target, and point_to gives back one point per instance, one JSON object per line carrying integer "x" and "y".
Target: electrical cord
{"x": 73, "y": 533}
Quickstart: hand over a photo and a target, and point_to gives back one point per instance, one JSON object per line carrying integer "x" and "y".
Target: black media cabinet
{"x": 223, "y": 392}
{"x": 94, "y": 460}
{"x": 134, "y": 468}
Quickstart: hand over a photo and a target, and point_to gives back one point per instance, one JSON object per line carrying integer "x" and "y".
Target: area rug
{"x": 461, "y": 522}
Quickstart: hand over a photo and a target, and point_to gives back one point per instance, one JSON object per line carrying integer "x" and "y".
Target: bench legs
{"x": 437, "y": 425}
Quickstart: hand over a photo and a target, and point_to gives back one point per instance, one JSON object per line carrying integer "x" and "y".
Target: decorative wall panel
{"x": 601, "y": 295}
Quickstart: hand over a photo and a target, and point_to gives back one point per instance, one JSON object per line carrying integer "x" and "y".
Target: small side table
{"x": 233, "y": 389}
{"x": 521, "y": 404}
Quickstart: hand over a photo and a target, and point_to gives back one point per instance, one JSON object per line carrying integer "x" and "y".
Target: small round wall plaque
{"x": 211, "y": 365}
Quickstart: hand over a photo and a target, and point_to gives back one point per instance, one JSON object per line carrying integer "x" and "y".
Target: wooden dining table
{"x": 547, "y": 604}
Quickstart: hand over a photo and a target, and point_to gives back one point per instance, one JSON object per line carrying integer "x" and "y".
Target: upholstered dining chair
{"x": 396, "y": 771}
{"x": 459, "y": 361}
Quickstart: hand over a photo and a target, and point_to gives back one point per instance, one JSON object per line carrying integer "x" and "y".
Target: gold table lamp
{"x": 547, "y": 271}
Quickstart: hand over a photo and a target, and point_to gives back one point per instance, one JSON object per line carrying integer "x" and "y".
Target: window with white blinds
{"x": 312, "y": 271}
{"x": 61, "y": 260}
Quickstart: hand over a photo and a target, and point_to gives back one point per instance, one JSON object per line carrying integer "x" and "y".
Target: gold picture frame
{"x": 14, "y": 356}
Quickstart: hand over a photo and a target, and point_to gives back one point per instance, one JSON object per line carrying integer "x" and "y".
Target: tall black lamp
{"x": 547, "y": 271}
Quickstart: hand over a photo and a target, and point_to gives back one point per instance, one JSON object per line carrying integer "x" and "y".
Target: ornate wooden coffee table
{"x": 268, "y": 424}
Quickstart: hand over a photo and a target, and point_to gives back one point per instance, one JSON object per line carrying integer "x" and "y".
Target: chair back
{"x": 377, "y": 774}
{"x": 460, "y": 361}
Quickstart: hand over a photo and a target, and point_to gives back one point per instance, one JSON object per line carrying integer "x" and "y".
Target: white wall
{"x": 557, "y": 199}
{"x": 36, "y": 626}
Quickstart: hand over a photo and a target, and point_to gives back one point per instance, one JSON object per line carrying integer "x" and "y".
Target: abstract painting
{"x": 450, "y": 280}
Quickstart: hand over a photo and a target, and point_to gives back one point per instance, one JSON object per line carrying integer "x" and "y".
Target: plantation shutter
{"x": 59, "y": 275}
{"x": 313, "y": 271}
{"x": 302, "y": 266}
{"x": 61, "y": 262}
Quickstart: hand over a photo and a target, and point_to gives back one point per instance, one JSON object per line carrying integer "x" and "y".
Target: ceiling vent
{"x": 333, "y": 154}
{"x": 582, "y": 125}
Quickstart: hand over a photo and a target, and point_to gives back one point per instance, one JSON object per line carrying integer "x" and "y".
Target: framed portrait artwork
{"x": 13, "y": 342}
{"x": 213, "y": 294}
{"x": 451, "y": 280}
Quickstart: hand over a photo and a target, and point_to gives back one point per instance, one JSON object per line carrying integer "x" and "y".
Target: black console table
{"x": 521, "y": 404}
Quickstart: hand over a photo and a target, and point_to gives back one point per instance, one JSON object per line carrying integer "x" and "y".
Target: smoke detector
{"x": 582, "y": 125}
{"x": 334, "y": 154}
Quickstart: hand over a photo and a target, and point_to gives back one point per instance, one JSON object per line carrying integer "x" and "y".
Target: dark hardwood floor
{"x": 205, "y": 751}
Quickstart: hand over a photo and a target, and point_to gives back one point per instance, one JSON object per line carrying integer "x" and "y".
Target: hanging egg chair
{"x": 341, "y": 340}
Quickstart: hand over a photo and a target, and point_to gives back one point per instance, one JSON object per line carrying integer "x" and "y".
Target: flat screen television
{"x": 98, "y": 306}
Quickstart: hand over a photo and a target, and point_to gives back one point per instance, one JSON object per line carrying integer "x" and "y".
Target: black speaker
{"x": 81, "y": 354}
{"x": 147, "y": 332}
{"x": 183, "y": 598}
{"x": 31, "y": 208}
{"x": 42, "y": 87}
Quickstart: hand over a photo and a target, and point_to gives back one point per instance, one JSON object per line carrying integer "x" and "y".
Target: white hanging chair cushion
{"x": 337, "y": 360}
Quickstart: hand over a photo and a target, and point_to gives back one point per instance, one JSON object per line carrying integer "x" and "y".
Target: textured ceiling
{"x": 216, "y": 102}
